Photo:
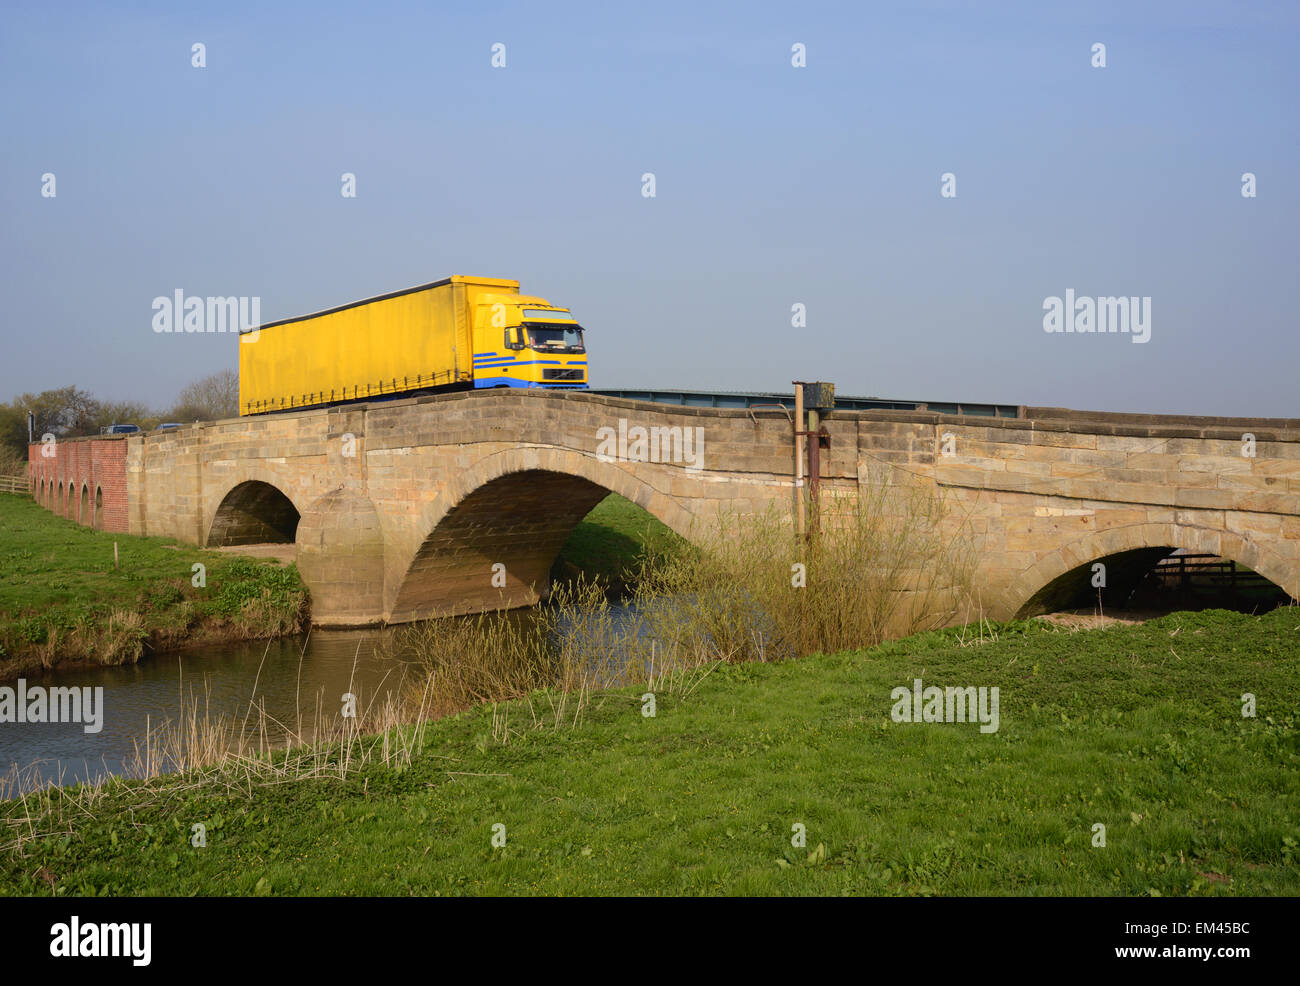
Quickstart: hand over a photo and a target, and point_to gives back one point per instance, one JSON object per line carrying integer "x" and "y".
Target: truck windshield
{"x": 555, "y": 338}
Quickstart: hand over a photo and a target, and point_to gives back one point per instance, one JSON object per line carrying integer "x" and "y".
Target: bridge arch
{"x": 1133, "y": 549}
{"x": 514, "y": 509}
{"x": 253, "y": 511}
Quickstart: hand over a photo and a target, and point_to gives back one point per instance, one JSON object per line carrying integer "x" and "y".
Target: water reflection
{"x": 288, "y": 679}
{"x": 293, "y": 682}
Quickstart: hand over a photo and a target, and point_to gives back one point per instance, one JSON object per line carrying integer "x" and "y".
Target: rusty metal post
{"x": 810, "y": 400}
{"x": 814, "y": 472}
{"x": 798, "y": 460}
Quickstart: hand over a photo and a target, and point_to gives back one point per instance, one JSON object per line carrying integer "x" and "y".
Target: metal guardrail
{"x": 705, "y": 398}
{"x": 392, "y": 390}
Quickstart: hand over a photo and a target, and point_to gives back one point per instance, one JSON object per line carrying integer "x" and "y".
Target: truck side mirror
{"x": 512, "y": 339}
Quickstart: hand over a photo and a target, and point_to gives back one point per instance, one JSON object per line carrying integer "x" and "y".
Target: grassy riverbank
{"x": 63, "y": 601}
{"x": 1138, "y": 728}
{"x": 610, "y": 546}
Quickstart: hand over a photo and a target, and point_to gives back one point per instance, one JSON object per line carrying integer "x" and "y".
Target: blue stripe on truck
{"x": 492, "y": 364}
{"x": 508, "y": 382}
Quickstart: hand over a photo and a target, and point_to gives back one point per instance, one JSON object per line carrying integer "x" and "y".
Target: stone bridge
{"x": 400, "y": 510}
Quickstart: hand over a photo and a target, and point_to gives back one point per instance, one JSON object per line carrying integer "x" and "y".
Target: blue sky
{"x": 775, "y": 185}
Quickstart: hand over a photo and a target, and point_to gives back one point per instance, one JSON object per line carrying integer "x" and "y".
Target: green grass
{"x": 1139, "y": 728}
{"x": 59, "y": 589}
{"x": 612, "y": 542}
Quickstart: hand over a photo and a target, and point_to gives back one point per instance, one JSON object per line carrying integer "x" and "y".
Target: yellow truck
{"x": 457, "y": 333}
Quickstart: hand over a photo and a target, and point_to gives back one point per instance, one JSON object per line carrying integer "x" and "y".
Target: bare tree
{"x": 126, "y": 412}
{"x": 67, "y": 411}
{"x": 215, "y": 396}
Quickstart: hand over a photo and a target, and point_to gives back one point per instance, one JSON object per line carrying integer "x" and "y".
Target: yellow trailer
{"x": 456, "y": 333}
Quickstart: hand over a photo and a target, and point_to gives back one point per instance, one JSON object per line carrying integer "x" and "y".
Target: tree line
{"x": 70, "y": 412}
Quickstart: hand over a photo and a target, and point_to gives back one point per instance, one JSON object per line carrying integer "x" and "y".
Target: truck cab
{"x": 522, "y": 341}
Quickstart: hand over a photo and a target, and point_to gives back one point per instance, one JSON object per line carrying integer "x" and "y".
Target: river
{"x": 287, "y": 679}
{"x": 281, "y": 676}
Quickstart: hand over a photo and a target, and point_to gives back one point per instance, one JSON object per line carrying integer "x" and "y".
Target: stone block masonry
{"x": 424, "y": 507}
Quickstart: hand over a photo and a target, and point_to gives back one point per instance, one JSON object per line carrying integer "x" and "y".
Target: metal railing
{"x": 381, "y": 389}
{"x": 745, "y": 400}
